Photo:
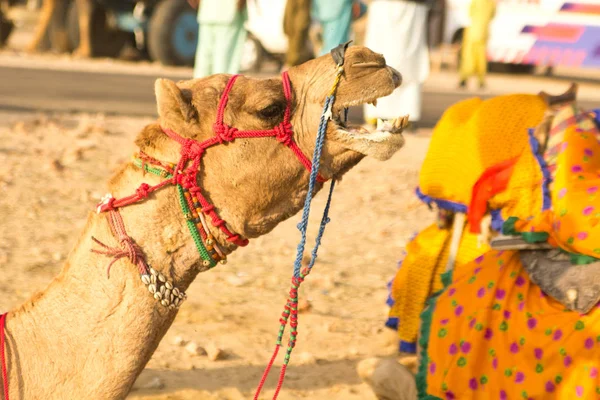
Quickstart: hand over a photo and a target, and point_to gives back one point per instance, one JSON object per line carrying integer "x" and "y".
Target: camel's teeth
{"x": 380, "y": 124}
{"x": 401, "y": 122}
{"x": 398, "y": 122}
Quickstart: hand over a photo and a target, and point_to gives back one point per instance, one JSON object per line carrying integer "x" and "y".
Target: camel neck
{"x": 90, "y": 335}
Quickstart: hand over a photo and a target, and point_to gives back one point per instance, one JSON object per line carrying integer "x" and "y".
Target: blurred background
{"x": 69, "y": 114}
{"x": 531, "y": 42}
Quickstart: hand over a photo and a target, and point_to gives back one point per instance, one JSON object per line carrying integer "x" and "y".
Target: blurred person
{"x": 335, "y": 17}
{"x": 296, "y": 24}
{"x": 398, "y": 30}
{"x": 474, "y": 45}
{"x": 221, "y": 36}
{"x": 6, "y": 25}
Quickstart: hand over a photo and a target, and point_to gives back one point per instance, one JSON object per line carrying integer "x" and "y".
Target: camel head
{"x": 256, "y": 183}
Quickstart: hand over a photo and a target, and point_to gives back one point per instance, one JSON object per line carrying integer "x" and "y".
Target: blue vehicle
{"x": 164, "y": 30}
{"x": 167, "y": 30}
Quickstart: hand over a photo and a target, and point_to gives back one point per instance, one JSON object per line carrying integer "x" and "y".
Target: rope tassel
{"x": 290, "y": 312}
{"x": 129, "y": 249}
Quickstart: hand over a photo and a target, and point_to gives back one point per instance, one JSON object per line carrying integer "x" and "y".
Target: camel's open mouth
{"x": 381, "y": 142}
{"x": 384, "y": 128}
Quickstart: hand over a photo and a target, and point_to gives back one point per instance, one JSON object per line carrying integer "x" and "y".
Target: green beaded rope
{"x": 153, "y": 170}
{"x": 184, "y": 208}
{"x": 193, "y": 229}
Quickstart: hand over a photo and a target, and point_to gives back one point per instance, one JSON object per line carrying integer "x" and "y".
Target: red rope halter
{"x": 192, "y": 151}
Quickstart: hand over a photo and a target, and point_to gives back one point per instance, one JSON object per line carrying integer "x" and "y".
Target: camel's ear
{"x": 172, "y": 102}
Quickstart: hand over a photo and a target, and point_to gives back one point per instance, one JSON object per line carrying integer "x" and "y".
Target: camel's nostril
{"x": 396, "y": 77}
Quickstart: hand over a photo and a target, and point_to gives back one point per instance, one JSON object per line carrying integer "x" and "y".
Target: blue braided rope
{"x": 316, "y": 161}
{"x": 324, "y": 221}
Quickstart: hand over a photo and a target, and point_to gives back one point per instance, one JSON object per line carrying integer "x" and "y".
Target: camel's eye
{"x": 272, "y": 111}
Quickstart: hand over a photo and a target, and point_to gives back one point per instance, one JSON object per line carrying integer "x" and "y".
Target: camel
{"x": 88, "y": 336}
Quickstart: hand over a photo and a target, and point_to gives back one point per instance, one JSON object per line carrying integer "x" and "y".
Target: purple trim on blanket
{"x": 547, "y": 199}
{"x": 406, "y": 347}
{"x": 392, "y": 323}
{"x": 390, "y": 302}
{"x": 497, "y": 220}
{"x": 444, "y": 204}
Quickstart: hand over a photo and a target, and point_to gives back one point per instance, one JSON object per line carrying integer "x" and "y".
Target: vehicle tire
{"x": 253, "y": 55}
{"x": 173, "y": 33}
{"x": 106, "y": 41}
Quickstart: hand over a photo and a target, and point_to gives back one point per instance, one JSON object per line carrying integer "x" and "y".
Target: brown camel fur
{"x": 88, "y": 336}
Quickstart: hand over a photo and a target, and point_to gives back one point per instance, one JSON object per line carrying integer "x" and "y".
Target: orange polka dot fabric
{"x": 572, "y": 223}
{"x": 492, "y": 333}
{"x": 495, "y": 335}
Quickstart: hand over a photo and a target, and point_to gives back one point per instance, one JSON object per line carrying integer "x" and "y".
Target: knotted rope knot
{"x": 191, "y": 149}
{"x": 129, "y": 249}
{"x": 106, "y": 203}
{"x": 296, "y": 281}
{"x": 195, "y": 190}
{"x": 208, "y": 208}
{"x": 143, "y": 191}
{"x": 218, "y": 223}
{"x": 224, "y": 132}
{"x": 186, "y": 180}
{"x": 233, "y": 238}
{"x": 284, "y": 133}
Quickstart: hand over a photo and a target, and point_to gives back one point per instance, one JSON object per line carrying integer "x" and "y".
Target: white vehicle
{"x": 535, "y": 32}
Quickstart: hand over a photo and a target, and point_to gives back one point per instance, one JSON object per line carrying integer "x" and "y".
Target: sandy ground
{"x": 54, "y": 169}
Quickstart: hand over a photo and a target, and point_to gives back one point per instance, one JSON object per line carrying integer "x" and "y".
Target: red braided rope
{"x": 192, "y": 151}
{"x": 225, "y": 98}
{"x": 266, "y": 373}
{"x": 128, "y": 249}
{"x": 3, "y": 354}
{"x": 280, "y": 381}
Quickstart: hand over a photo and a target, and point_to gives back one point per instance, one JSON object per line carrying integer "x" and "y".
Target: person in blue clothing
{"x": 221, "y": 36}
{"x": 335, "y": 17}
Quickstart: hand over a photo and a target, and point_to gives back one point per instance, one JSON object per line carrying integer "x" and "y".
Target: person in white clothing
{"x": 398, "y": 30}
